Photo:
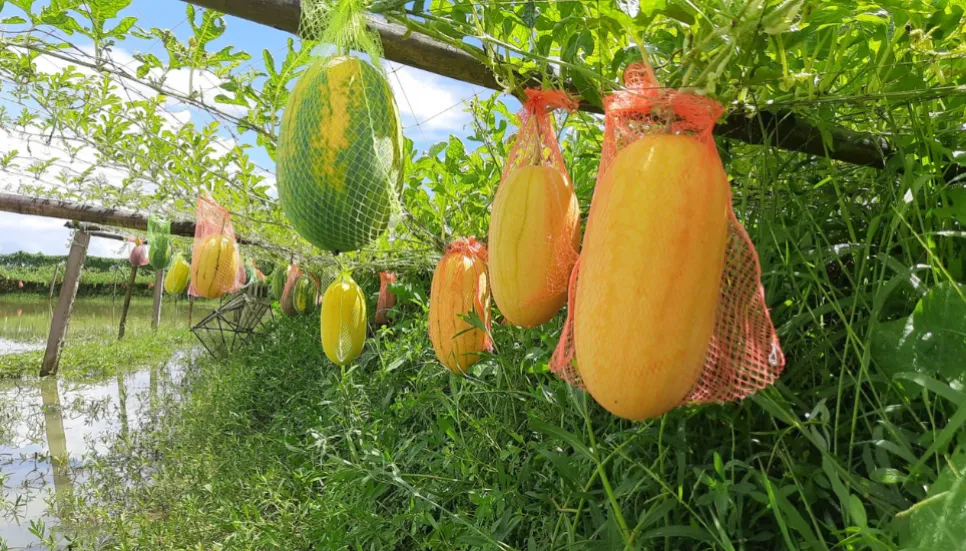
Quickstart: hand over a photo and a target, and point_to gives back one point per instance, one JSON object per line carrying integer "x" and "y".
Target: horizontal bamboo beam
{"x": 121, "y": 218}
{"x": 779, "y": 129}
{"x": 96, "y": 231}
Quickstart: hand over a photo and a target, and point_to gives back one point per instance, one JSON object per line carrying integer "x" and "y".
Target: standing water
{"x": 51, "y": 429}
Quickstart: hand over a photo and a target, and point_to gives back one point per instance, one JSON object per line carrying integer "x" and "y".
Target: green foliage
{"x": 861, "y": 266}
{"x": 100, "y": 275}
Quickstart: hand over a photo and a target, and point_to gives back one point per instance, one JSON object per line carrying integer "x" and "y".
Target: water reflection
{"x": 50, "y": 430}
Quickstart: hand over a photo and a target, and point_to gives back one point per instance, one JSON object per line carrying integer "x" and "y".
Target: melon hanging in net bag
{"x": 215, "y": 258}
{"x": 287, "y": 302}
{"x": 159, "y": 239}
{"x": 139, "y": 254}
{"x": 672, "y": 312}
{"x": 386, "y": 300}
{"x": 534, "y": 234}
{"x": 340, "y": 148}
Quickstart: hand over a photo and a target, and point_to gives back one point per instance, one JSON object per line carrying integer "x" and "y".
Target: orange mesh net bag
{"x": 386, "y": 299}
{"x": 651, "y": 257}
{"x": 460, "y": 292}
{"x": 535, "y": 216}
{"x": 287, "y": 302}
{"x": 215, "y": 257}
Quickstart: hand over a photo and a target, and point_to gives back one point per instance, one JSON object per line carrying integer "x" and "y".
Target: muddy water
{"x": 51, "y": 430}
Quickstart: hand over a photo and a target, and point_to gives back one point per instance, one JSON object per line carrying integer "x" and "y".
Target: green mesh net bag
{"x": 159, "y": 241}
{"x": 340, "y": 149}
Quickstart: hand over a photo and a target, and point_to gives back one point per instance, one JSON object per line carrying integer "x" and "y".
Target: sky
{"x": 431, "y": 108}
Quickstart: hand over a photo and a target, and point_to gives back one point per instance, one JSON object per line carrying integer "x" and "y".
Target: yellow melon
{"x": 343, "y": 321}
{"x": 459, "y": 287}
{"x": 650, "y": 272}
{"x": 534, "y": 238}
{"x": 214, "y": 268}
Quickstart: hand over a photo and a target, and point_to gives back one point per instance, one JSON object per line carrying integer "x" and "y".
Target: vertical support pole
{"x": 127, "y": 301}
{"x": 158, "y": 297}
{"x": 61, "y": 317}
{"x": 53, "y": 282}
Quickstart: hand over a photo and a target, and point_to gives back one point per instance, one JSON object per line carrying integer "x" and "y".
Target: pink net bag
{"x": 535, "y": 215}
{"x": 387, "y": 300}
{"x": 215, "y": 257}
{"x": 287, "y": 302}
{"x": 139, "y": 254}
{"x": 743, "y": 353}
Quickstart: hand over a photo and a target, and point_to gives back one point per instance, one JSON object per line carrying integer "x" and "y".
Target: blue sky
{"x": 430, "y": 107}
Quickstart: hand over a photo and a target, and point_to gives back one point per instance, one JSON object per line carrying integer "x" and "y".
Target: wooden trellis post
{"x": 158, "y": 297}
{"x": 68, "y": 291}
{"x": 127, "y": 301}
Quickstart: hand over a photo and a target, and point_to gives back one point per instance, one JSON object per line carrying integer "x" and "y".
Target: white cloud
{"x": 431, "y": 103}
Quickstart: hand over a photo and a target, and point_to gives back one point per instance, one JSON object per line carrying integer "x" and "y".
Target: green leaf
{"x": 931, "y": 341}
{"x": 561, "y": 434}
{"x": 15, "y": 20}
{"x": 939, "y": 520}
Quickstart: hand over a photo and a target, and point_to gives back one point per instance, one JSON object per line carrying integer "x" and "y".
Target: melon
{"x": 305, "y": 295}
{"x": 139, "y": 254}
{"x": 534, "y": 239}
{"x": 460, "y": 287}
{"x": 214, "y": 267}
{"x": 343, "y": 321}
{"x": 650, "y": 273}
{"x": 176, "y": 281}
{"x": 340, "y": 154}
{"x": 386, "y": 300}
{"x": 279, "y": 276}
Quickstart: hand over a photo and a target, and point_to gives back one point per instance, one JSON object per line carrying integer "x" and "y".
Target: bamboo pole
{"x": 53, "y": 282}
{"x": 158, "y": 297}
{"x": 68, "y": 291}
{"x": 57, "y": 208}
{"x": 127, "y": 301}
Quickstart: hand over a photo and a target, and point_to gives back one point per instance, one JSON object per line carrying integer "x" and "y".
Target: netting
{"x": 386, "y": 300}
{"x": 535, "y": 217}
{"x": 306, "y": 295}
{"x": 159, "y": 239}
{"x": 215, "y": 258}
{"x": 340, "y": 148}
{"x": 743, "y": 355}
{"x": 279, "y": 277}
{"x": 343, "y": 320}
{"x": 460, "y": 292}
{"x": 176, "y": 280}
{"x": 139, "y": 254}
{"x": 287, "y": 302}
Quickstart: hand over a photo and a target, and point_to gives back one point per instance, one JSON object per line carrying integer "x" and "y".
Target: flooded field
{"x": 25, "y": 319}
{"x": 51, "y": 431}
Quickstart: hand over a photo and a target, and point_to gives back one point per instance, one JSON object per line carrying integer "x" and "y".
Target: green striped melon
{"x": 340, "y": 154}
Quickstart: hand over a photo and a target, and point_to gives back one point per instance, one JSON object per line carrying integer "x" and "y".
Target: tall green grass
{"x": 858, "y": 446}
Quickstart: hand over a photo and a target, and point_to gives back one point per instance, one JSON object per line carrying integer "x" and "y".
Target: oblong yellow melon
{"x": 534, "y": 238}
{"x": 650, "y": 272}
{"x": 459, "y": 287}
{"x": 343, "y": 321}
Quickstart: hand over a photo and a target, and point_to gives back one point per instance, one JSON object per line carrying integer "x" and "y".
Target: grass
{"x": 279, "y": 449}
{"x": 95, "y": 358}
